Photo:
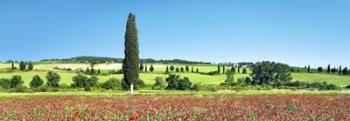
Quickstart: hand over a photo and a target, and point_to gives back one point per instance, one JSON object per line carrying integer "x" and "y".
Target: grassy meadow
{"x": 148, "y": 78}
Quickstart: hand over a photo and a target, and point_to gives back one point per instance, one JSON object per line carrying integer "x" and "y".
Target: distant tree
{"x": 219, "y": 69}
{"x": 160, "y": 83}
{"x": 192, "y": 70}
{"x": 87, "y": 71}
{"x": 308, "y": 68}
{"x": 223, "y": 69}
{"x": 333, "y": 70}
{"x": 53, "y": 79}
{"x": 270, "y": 72}
{"x": 329, "y": 68}
{"x": 244, "y": 71}
{"x": 22, "y": 66}
{"x": 233, "y": 70}
{"x": 345, "y": 71}
{"x": 131, "y": 60}
{"x": 79, "y": 81}
{"x": 141, "y": 67}
{"x": 16, "y": 81}
{"x": 197, "y": 70}
{"x": 151, "y": 69}
{"x": 187, "y": 68}
{"x": 30, "y": 66}
{"x": 182, "y": 69}
{"x": 12, "y": 66}
{"x": 167, "y": 70}
{"x": 146, "y": 69}
{"x": 238, "y": 69}
{"x": 340, "y": 69}
{"x": 320, "y": 69}
{"x": 98, "y": 71}
{"x": 229, "y": 77}
{"x": 177, "y": 69}
{"x": 177, "y": 83}
{"x": 172, "y": 68}
{"x": 92, "y": 81}
{"x": 36, "y": 82}
{"x": 92, "y": 71}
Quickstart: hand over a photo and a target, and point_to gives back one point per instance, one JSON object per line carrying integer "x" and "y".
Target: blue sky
{"x": 297, "y": 32}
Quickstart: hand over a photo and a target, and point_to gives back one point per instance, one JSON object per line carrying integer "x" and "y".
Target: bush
{"x": 93, "y": 81}
{"x": 120, "y": 71}
{"x": 53, "y": 79}
{"x": 79, "y": 81}
{"x": 16, "y": 81}
{"x": 20, "y": 88}
{"x": 36, "y": 82}
{"x": 348, "y": 86}
{"x": 176, "y": 83}
{"x": 112, "y": 83}
{"x": 5, "y": 83}
{"x": 160, "y": 83}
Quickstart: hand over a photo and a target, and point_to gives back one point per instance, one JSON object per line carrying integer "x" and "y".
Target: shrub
{"x": 53, "y": 79}
{"x": 160, "y": 83}
{"x": 112, "y": 83}
{"x": 93, "y": 81}
{"x": 5, "y": 83}
{"x": 79, "y": 81}
{"x": 176, "y": 83}
{"x": 36, "y": 82}
{"x": 348, "y": 86}
{"x": 16, "y": 81}
{"x": 20, "y": 88}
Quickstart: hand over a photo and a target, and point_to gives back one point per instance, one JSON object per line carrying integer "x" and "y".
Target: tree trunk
{"x": 132, "y": 88}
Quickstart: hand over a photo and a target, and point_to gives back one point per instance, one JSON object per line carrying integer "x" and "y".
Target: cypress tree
{"x": 131, "y": 60}
{"x": 233, "y": 70}
{"x": 308, "y": 68}
{"x": 197, "y": 70}
{"x": 12, "y": 66}
{"x": 172, "y": 68}
{"x": 192, "y": 69}
{"x": 22, "y": 66}
{"x": 151, "y": 69}
{"x": 141, "y": 67}
{"x": 182, "y": 69}
{"x": 177, "y": 69}
{"x": 223, "y": 69}
{"x": 146, "y": 69}
{"x": 339, "y": 71}
{"x": 187, "y": 68}
{"x": 167, "y": 69}
{"x": 219, "y": 71}
{"x": 329, "y": 68}
{"x": 30, "y": 66}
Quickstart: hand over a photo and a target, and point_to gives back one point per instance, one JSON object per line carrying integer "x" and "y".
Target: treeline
{"x": 22, "y": 66}
{"x": 93, "y": 59}
{"x": 329, "y": 70}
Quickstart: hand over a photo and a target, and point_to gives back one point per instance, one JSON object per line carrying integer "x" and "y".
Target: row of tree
{"x": 22, "y": 66}
{"x": 330, "y": 70}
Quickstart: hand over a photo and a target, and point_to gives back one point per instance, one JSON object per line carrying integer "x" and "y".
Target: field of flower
{"x": 218, "y": 108}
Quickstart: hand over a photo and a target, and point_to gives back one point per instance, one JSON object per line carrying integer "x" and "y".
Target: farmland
{"x": 249, "y": 107}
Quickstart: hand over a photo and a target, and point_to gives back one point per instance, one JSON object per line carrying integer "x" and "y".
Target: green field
{"x": 148, "y": 78}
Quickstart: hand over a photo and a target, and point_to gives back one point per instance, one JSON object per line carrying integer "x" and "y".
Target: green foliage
{"x": 345, "y": 71}
{"x": 112, "y": 83}
{"x": 320, "y": 69}
{"x": 167, "y": 70}
{"x": 182, "y": 69}
{"x": 80, "y": 81}
{"x": 270, "y": 72}
{"x": 187, "y": 68}
{"x": 5, "y": 83}
{"x": 131, "y": 60}
{"x": 141, "y": 67}
{"x": 244, "y": 71}
{"x": 36, "y": 82}
{"x": 53, "y": 79}
{"x": 177, "y": 69}
{"x": 22, "y": 66}
{"x": 305, "y": 85}
{"x": 219, "y": 70}
{"x": 177, "y": 83}
{"x": 30, "y": 66}
{"x": 16, "y": 81}
{"x": 92, "y": 81}
{"x": 229, "y": 77}
{"x": 172, "y": 68}
{"x": 151, "y": 69}
{"x": 160, "y": 83}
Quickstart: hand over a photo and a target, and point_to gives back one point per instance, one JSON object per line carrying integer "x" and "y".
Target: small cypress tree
{"x": 30, "y": 66}
{"x": 87, "y": 71}
{"x": 12, "y": 66}
{"x": 172, "y": 68}
{"x": 182, "y": 69}
{"x": 197, "y": 70}
{"x": 187, "y": 68}
{"x": 219, "y": 71}
{"x": 151, "y": 69}
{"x": 146, "y": 69}
{"x": 99, "y": 71}
{"x": 141, "y": 67}
{"x": 167, "y": 70}
{"x": 244, "y": 71}
{"x": 329, "y": 68}
{"x": 340, "y": 69}
{"x": 22, "y": 66}
{"x": 308, "y": 68}
{"x": 233, "y": 70}
{"x": 177, "y": 69}
{"x": 192, "y": 69}
{"x": 223, "y": 69}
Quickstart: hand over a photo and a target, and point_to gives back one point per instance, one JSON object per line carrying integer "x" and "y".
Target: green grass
{"x": 339, "y": 80}
{"x": 66, "y": 77}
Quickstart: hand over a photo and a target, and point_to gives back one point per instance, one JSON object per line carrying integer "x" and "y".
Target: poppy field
{"x": 176, "y": 108}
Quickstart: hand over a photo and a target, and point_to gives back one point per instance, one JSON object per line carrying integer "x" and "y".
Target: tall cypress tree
{"x": 308, "y": 68}
{"x": 167, "y": 70}
{"x": 329, "y": 68}
{"x": 131, "y": 60}
{"x": 339, "y": 71}
{"x": 12, "y": 66}
{"x": 219, "y": 69}
{"x": 223, "y": 70}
